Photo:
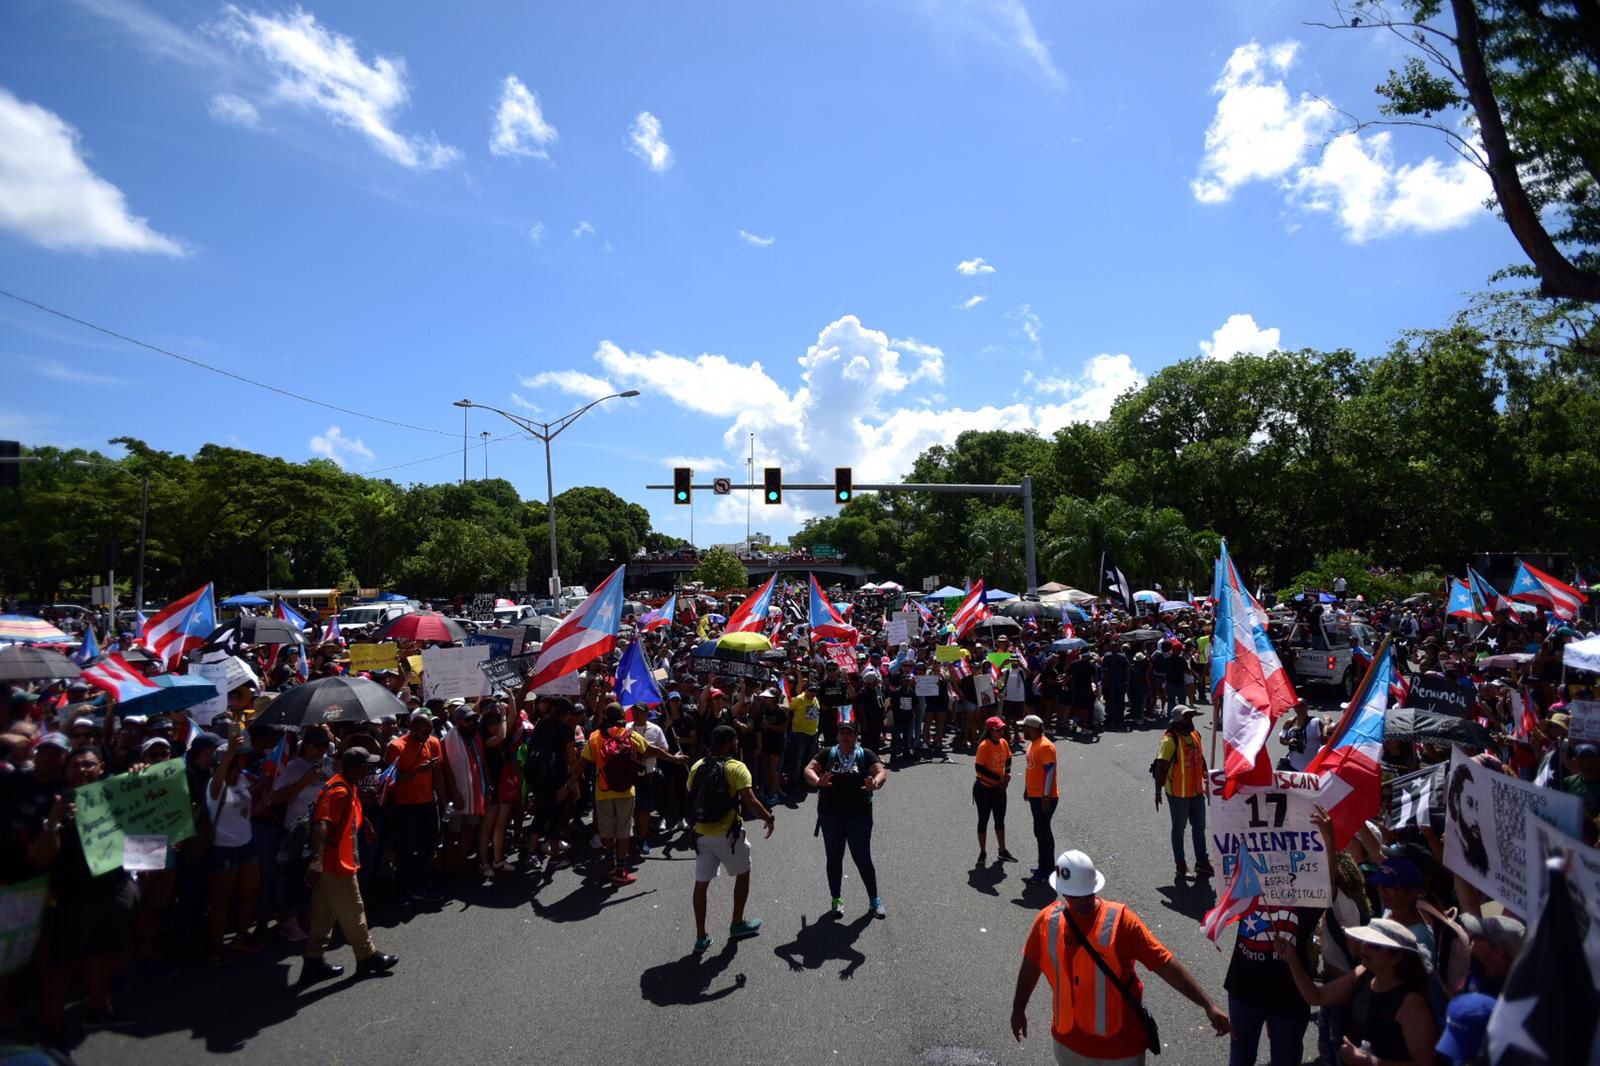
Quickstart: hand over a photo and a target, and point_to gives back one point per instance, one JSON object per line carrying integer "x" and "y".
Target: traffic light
{"x": 774, "y": 480}
{"x": 10, "y": 468}
{"x": 681, "y": 488}
{"x": 842, "y": 491}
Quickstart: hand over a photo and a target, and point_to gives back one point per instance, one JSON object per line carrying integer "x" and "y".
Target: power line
{"x": 225, "y": 373}
{"x": 442, "y": 455}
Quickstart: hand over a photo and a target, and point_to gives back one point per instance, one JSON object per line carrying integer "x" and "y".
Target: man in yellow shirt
{"x": 617, "y": 753}
{"x": 805, "y": 715}
{"x": 718, "y": 784}
{"x": 1180, "y": 771}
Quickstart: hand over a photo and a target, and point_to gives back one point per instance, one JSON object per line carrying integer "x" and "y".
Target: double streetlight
{"x": 548, "y": 431}
{"x": 144, "y": 516}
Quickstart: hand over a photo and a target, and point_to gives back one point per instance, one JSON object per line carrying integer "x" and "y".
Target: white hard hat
{"x": 1076, "y": 876}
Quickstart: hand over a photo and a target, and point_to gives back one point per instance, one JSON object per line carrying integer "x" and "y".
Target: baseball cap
{"x": 850, "y": 724}
{"x": 54, "y": 740}
{"x": 994, "y": 721}
{"x": 1507, "y": 934}
{"x": 1033, "y": 721}
{"x": 1180, "y": 712}
{"x": 1586, "y": 748}
{"x": 674, "y": 695}
{"x": 769, "y": 693}
{"x": 1399, "y": 873}
{"x": 357, "y": 757}
{"x": 714, "y": 692}
{"x": 155, "y": 742}
{"x": 1465, "y": 1022}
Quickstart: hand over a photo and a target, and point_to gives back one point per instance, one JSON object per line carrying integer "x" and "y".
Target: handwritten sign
{"x": 216, "y": 673}
{"x": 897, "y": 634}
{"x": 382, "y": 656}
{"x": 927, "y": 685}
{"x": 949, "y": 653}
{"x": 1585, "y": 724}
{"x": 501, "y": 643}
{"x": 844, "y": 656}
{"x": 1442, "y": 695}
{"x": 507, "y": 672}
{"x": 565, "y": 685}
{"x": 482, "y": 607}
{"x": 912, "y": 619}
{"x": 153, "y": 802}
{"x": 1486, "y": 827}
{"x": 414, "y": 664}
{"x": 21, "y": 907}
{"x": 1273, "y": 821}
{"x": 448, "y": 673}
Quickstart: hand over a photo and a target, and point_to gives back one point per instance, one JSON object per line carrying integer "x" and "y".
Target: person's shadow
{"x": 1036, "y": 895}
{"x": 825, "y": 940}
{"x": 985, "y": 878}
{"x": 1192, "y": 900}
{"x": 688, "y": 980}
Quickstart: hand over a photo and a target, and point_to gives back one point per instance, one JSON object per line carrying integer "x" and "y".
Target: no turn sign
{"x": 722, "y": 486}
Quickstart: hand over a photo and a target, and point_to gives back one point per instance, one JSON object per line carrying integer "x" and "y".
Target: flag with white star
{"x": 1547, "y": 1009}
{"x": 635, "y": 682}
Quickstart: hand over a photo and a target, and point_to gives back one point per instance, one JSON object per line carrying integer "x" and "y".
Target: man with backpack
{"x": 718, "y": 784}
{"x": 617, "y": 753}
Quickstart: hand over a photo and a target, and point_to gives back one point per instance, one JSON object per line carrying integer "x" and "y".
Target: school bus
{"x": 325, "y": 602}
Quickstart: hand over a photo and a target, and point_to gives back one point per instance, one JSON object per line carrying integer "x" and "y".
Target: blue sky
{"x": 854, "y": 229}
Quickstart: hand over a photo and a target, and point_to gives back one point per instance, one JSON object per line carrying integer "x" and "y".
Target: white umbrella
{"x": 891, "y": 586}
{"x": 868, "y": 587}
{"x": 1583, "y": 654}
{"x": 1072, "y": 596}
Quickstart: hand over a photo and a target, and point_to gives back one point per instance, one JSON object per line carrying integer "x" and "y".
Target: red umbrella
{"x": 421, "y": 625}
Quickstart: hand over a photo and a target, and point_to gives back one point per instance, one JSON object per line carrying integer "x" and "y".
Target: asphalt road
{"x": 526, "y": 970}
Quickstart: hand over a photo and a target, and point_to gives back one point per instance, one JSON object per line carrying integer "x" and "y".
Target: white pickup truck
{"x": 1326, "y": 658}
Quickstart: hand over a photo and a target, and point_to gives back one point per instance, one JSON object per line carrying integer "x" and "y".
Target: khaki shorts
{"x": 722, "y": 852}
{"x": 613, "y": 818}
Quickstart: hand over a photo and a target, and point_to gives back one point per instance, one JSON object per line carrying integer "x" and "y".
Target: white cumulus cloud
{"x": 646, "y": 142}
{"x": 751, "y": 238}
{"x": 574, "y": 381}
{"x": 49, "y": 195}
{"x": 336, "y": 446}
{"x": 1087, "y": 397}
{"x": 519, "y": 124}
{"x": 1240, "y": 334}
{"x": 322, "y": 70}
{"x": 1263, "y": 132}
{"x": 234, "y": 110}
{"x": 973, "y": 267}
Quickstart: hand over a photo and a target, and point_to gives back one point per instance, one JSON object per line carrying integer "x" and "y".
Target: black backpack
{"x": 710, "y": 799}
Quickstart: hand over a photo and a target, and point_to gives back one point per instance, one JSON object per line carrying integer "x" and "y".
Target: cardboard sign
{"x": 1582, "y": 865}
{"x": 21, "y": 907}
{"x": 1585, "y": 724}
{"x": 153, "y": 802}
{"x": 1274, "y": 823}
{"x": 927, "y": 684}
{"x": 507, "y": 672}
{"x": 384, "y": 656}
{"x": 983, "y": 684}
{"x": 501, "y": 642}
{"x": 482, "y": 609}
{"x": 949, "y": 653}
{"x": 913, "y": 621}
{"x": 565, "y": 685}
{"x": 1486, "y": 827}
{"x": 897, "y": 634}
{"x": 216, "y": 673}
{"x": 1438, "y": 694}
{"x": 842, "y": 654}
{"x": 448, "y": 673}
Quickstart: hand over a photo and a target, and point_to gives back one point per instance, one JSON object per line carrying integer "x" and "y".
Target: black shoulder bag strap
{"x": 1152, "y": 1035}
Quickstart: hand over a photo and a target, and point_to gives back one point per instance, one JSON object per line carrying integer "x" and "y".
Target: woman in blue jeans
{"x": 845, "y": 777}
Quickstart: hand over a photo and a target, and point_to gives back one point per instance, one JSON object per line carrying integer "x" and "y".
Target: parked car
{"x": 363, "y": 618}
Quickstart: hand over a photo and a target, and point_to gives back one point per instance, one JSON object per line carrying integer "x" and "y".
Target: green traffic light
{"x": 683, "y": 495}
{"x": 843, "y": 496}
{"x": 772, "y": 496}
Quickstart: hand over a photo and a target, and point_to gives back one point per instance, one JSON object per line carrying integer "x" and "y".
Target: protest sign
{"x": 482, "y": 609}
{"x": 21, "y": 907}
{"x": 448, "y": 673}
{"x": 896, "y": 634}
{"x": 1585, "y": 724}
{"x": 912, "y": 619}
{"x": 500, "y": 642}
{"x": 949, "y": 653}
{"x": 384, "y": 656}
{"x": 927, "y": 684}
{"x": 144, "y": 851}
{"x": 1582, "y": 863}
{"x": 565, "y": 685}
{"x": 414, "y": 664}
{"x": 983, "y": 685}
{"x": 1273, "y": 821}
{"x": 1433, "y": 692}
{"x": 507, "y": 672}
{"x": 1486, "y": 827}
{"x": 153, "y": 802}
{"x": 216, "y": 673}
{"x": 842, "y": 654}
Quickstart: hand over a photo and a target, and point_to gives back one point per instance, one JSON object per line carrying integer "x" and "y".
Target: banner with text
{"x": 1274, "y": 823}
{"x": 449, "y": 673}
{"x": 152, "y": 802}
{"x": 382, "y": 656}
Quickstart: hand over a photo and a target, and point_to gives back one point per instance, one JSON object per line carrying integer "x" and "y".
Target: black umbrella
{"x": 1431, "y": 727}
{"x": 23, "y": 662}
{"x": 709, "y": 658}
{"x": 539, "y": 627}
{"x": 255, "y": 629}
{"x": 997, "y": 626}
{"x": 333, "y": 699}
{"x": 1022, "y": 610}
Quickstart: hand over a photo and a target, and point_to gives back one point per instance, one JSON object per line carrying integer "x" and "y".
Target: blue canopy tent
{"x": 996, "y": 595}
{"x": 244, "y": 599}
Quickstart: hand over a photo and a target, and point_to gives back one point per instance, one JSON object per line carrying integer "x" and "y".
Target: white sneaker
{"x": 486, "y": 871}
{"x": 502, "y": 866}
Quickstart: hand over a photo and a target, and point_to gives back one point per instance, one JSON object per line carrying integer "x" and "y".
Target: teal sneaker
{"x": 702, "y": 944}
{"x": 748, "y": 927}
{"x": 837, "y": 910}
{"x": 877, "y": 908}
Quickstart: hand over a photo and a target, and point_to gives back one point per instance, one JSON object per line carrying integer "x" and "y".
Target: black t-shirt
{"x": 1114, "y": 668}
{"x": 832, "y": 693}
{"x": 24, "y": 804}
{"x": 1256, "y": 974}
{"x": 847, "y": 796}
{"x": 1080, "y": 679}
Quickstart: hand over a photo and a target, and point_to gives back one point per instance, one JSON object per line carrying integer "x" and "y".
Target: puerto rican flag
{"x": 1533, "y": 585}
{"x": 1488, "y": 595}
{"x": 88, "y": 649}
{"x": 332, "y": 635}
{"x": 751, "y": 617}
{"x": 1462, "y": 603}
{"x": 1247, "y": 681}
{"x": 661, "y": 616}
{"x": 1352, "y": 786}
{"x": 181, "y": 625}
{"x": 583, "y": 636}
{"x": 927, "y": 615}
{"x": 1241, "y": 896}
{"x": 825, "y": 620}
{"x": 973, "y": 609}
{"x": 292, "y": 616}
{"x": 115, "y": 676}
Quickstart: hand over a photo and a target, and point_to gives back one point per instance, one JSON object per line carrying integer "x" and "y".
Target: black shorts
{"x": 98, "y": 923}
{"x": 1014, "y": 710}
{"x": 647, "y": 793}
{"x": 772, "y": 742}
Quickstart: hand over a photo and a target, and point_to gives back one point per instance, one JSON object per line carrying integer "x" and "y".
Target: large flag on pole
{"x": 1533, "y": 585}
{"x": 661, "y": 616}
{"x": 181, "y": 625}
{"x": 825, "y": 620}
{"x": 973, "y": 610}
{"x": 1247, "y": 682}
{"x": 1353, "y": 792}
{"x": 1487, "y": 595}
{"x": 88, "y": 649}
{"x": 115, "y": 676}
{"x": 1118, "y": 584}
{"x": 751, "y": 617}
{"x": 635, "y": 682}
{"x": 290, "y": 615}
{"x": 583, "y": 636}
{"x": 1462, "y": 603}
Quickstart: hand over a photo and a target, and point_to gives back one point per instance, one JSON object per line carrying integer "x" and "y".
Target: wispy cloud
{"x": 234, "y": 110}
{"x": 751, "y": 238}
{"x": 581, "y": 229}
{"x": 536, "y": 233}
{"x": 1003, "y": 23}
{"x": 646, "y": 142}
{"x": 574, "y": 381}
{"x": 519, "y": 123}
{"x": 56, "y": 370}
{"x": 973, "y": 301}
{"x": 974, "y": 267}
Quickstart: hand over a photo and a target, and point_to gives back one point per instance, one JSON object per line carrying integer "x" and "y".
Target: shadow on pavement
{"x": 824, "y": 940}
{"x": 1190, "y": 900}
{"x": 688, "y": 980}
{"x": 985, "y": 878}
{"x": 594, "y": 895}
{"x": 1036, "y": 895}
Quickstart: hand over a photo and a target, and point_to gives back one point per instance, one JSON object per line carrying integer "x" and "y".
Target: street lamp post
{"x": 144, "y": 521}
{"x": 548, "y": 431}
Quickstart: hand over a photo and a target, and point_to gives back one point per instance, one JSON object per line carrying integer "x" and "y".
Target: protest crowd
{"x": 178, "y": 793}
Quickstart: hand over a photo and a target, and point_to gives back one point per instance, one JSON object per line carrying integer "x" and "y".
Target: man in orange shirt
{"x": 1042, "y": 790}
{"x": 335, "y": 895}
{"x": 415, "y": 797}
{"x": 1093, "y": 1019}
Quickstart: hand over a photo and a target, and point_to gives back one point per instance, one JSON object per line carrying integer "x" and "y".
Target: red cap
{"x": 713, "y": 693}
{"x": 995, "y": 722}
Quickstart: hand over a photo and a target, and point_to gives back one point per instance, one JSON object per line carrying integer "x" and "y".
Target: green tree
{"x": 719, "y": 568}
